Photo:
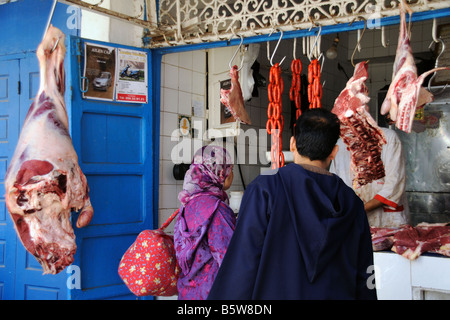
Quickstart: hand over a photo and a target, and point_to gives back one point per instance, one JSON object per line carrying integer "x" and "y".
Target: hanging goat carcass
{"x": 44, "y": 182}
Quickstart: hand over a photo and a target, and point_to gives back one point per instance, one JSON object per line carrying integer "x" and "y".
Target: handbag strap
{"x": 168, "y": 221}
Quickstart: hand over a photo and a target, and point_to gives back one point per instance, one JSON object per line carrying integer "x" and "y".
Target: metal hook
{"x": 235, "y": 53}
{"x": 52, "y": 11}
{"x": 276, "y": 47}
{"x": 383, "y": 37}
{"x": 434, "y": 32}
{"x": 359, "y": 40}
{"x": 436, "y": 64}
{"x": 55, "y": 45}
{"x": 315, "y": 43}
{"x": 295, "y": 49}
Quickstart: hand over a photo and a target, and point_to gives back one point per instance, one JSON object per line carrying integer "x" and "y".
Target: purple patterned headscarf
{"x": 206, "y": 175}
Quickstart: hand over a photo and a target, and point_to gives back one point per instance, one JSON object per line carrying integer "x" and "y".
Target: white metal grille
{"x": 196, "y": 21}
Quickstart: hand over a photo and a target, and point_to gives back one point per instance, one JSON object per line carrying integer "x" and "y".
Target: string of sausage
{"x": 294, "y": 93}
{"x": 275, "y": 122}
{"x": 315, "y": 89}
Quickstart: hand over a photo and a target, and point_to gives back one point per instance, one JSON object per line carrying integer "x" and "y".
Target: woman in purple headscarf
{"x": 205, "y": 223}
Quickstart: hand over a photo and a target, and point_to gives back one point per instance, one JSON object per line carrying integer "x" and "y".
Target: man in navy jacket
{"x": 301, "y": 233}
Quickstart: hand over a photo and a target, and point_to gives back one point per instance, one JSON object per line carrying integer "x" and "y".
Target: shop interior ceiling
{"x": 168, "y": 23}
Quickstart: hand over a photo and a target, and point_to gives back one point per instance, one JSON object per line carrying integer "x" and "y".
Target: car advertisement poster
{"x": 99, "y": 72}
{"x": 132, "y": 83}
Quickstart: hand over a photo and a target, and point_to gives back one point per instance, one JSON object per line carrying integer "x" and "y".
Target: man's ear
{"x": 292, "y": 144}
{"x": 334, "y": 152}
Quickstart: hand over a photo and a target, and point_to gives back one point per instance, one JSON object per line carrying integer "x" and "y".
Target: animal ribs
{"x": 359, "y": 131}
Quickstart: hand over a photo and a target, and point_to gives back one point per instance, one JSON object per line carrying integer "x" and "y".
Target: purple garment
{"x": 202, "y": 233}
{"x": 205, "y": 223}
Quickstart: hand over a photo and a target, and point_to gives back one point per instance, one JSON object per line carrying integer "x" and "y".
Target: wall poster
{"x": 132, "y": 82}
{"x": 99, "y": 72}
{"x": 115, "y": 74}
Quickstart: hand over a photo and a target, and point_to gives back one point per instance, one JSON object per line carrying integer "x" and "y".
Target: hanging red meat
{"x": 44, "y": 182}
{"x": 294, "y": 92}
{"x": 275, "y": 119}
{"x": 359, "y": 131}
{"x": 405, "y": 92}
{"x": 315, "y": 89}
{"x": 232, "y": 98}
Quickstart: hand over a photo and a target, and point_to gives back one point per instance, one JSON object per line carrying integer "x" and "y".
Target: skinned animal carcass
{"x": 405, "y": 92}
{"x": 359, "y": 131}
{"x": 232, "y": 98}
{"x": 44, "y": 182}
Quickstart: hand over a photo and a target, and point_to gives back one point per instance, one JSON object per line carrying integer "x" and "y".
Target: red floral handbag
{"x": 149, "y": 267}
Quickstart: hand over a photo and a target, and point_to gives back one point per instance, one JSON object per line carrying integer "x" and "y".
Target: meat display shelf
{"x": 426, "y": 278}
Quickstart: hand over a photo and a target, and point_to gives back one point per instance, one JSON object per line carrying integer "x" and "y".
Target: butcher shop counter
{"x": 426, "y": 278}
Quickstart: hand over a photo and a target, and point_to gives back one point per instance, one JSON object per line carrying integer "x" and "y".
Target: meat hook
{"x": 294, "y": 49}
{"x": 434, "y": 32}
{"x": 52, "y": 11}
{"x": 436, "y": 64}
{"x": 235, "y": 53}
{"x": 383, "y": 37}
{"x": 276, "y": 47}
{"x": 315, "y": 44}
{"x": 359, "y": 40}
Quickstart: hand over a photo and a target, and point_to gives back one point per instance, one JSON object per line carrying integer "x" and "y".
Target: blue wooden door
{"x": 31, "y": 283}
{"x": 21, "y": 276}
{"x": 114, "y": 143}
{"x": 9, "y": 133}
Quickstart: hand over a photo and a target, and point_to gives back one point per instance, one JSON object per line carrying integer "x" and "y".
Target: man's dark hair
{"x": 316, "y": 133}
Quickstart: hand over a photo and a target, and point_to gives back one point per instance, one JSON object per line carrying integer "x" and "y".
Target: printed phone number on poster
{"x": 131, "y": 97}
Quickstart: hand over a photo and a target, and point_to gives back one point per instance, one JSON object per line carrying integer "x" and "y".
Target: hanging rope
{"x": 275, "y": 122}
{"x": 315, "y": 89}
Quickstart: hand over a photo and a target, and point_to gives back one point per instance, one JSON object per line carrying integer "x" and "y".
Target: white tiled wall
{"x": 183, "y": 80}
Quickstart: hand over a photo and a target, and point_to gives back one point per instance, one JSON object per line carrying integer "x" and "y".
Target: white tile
{"x": 199, "y": 83}
{"x": 171, "y": 59}
{"x": 166, "y": 175}
{"x": 166, "y": 148}
{"x": 168, "y": 196}
{"x": 170, "y": 100}
{"x": 199, "y": 61}
{"x": 185, "y": 60}
{"x": 170, "y": 77}
{"x": 169, "y": 123}
{"x": 185, "y": 80}
{"x": 185, "y": 103}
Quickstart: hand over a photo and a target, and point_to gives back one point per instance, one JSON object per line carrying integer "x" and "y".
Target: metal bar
{"x": 52, "y": 11}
